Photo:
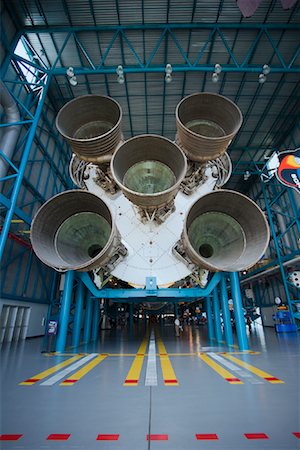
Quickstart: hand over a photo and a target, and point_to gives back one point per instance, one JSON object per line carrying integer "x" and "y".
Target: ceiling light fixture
{"x": 70, "y": 72}
{"x": 168, "y": 70}
{"x": 71, "y": 75}
{"x": 262, "y": 78}
{"x": 73, "y": 81}
{"x": 120, "y": 73}
{"x": 266, "y": 69}
{"x": 215, "y": 75}
{"x": 218, "y": 68}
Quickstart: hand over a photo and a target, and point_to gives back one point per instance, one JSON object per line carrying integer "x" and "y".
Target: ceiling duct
{"x": 10, "y": 134}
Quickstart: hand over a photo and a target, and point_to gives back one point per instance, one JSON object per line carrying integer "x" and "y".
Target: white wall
{"x": 37, "y": 319}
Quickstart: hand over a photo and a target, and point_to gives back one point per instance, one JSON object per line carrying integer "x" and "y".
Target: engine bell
{"x": 149, "y": 170}
{"x": 74, "y": 230}
{"x": 206, "y": 124}
{"x": 225, "y": 231}
{"x": 92, "y": 126}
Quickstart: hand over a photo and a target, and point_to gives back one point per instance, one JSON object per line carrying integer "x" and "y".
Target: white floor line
{"x": 68, "y": 370}
{"x": 242, "y": 373}
{"x": 151, "y": 372}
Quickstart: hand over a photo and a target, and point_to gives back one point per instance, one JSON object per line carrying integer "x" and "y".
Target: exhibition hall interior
{"x": 150, "y": 224}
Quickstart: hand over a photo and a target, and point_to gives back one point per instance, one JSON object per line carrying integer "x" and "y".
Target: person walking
{"x": 177, "y": 327}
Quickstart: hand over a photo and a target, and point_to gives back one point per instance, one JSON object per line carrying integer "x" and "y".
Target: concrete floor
{"x": 208, "y": 409}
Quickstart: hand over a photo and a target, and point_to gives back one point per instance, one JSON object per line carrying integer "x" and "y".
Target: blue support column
{"x": 96, "y": 319}
{"x": 176, "y": 309}
{"x": 88, "y": 318}
{"x": 78, "y": 314}
{"x": 65, "y": 312}
{"x": 131, "y": 306}
{"x": 226, "y": 313}
{"x": 216, "y": 306}
{"x": 210, "y": 325}
{"x": 238, "y": 311}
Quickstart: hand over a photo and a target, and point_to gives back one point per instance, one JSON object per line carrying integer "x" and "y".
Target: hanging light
{"x": 218, "y": 68}
{"x": 120, "y": 73}
{"x": 266, "y": 69}
{"x": 73, "y": 81}
{"x": 168, "y": 70}
{"x": 215, "y": 77}
{"x": 70, "y": 72}
{"x": 262, "y": 78}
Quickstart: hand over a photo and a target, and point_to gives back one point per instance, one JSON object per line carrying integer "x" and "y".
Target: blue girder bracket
{"x": 151, "y": 292}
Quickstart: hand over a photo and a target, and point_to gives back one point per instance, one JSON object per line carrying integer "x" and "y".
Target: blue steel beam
{"x": 238, "y": 311}
{"x": 162, "y": 26}
{"x": 65, "y": 312}
{"x": 217, "y": 317}
{"x": 153, "y": 295}
{"x": 78, "y": 314}
{"x": 170, "y": 30}
{"x": 23, "y": 164}
{"x": 226, "y": 313}
{"x": 280, "y": 258}
{"x": 210, "y": 324}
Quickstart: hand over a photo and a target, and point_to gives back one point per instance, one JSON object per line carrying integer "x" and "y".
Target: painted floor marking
{"x": 256, "y": 436}
{"x": 157, "y": 437}
{"x": 108, "y": 437}
{"x": 260, "y": 373}
{"x": 68, "y": 370}
{"x": 219, "y": 369}
{"x": 58, "y": 437}
{"x": 207, "y": 436}
{"x": 151, "y": 371}
{"x": 48, "y": 372}
{"x": 10, "y": 437}
{"x": 166, "y": 366}
{"x": 241, "y": 373}
{"x": 134, "y": 373}
{"x": 84, "y": 370}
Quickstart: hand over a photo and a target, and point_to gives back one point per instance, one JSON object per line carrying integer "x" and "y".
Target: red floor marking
{"x": 210, "y": 437}
{"x": 58, "y": 437}
{"x": 157, "y": 437}
{"x": 256, "y": 436}
{"x": 271, "y": 379}
{"x": 232, "y": 379}
{"x": 171, "y": 381}
{"x": 31, "y": 380}
{"x": 10, "y": 437}
{"x": 297, "y": 434}
{"x": 131, "y": 381}
{"x": 108, "y": 437}
{"x": 70, "y": 381}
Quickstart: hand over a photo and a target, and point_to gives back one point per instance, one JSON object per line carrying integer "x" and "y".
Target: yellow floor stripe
{"x": 166, "y": 366}
{"x": 219, "y": 369}
{"x": 84, "y": 370}
{"x": 47, "y": 372}
{"x": 134, "y": 373}
{"x": 266, "y": 376}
